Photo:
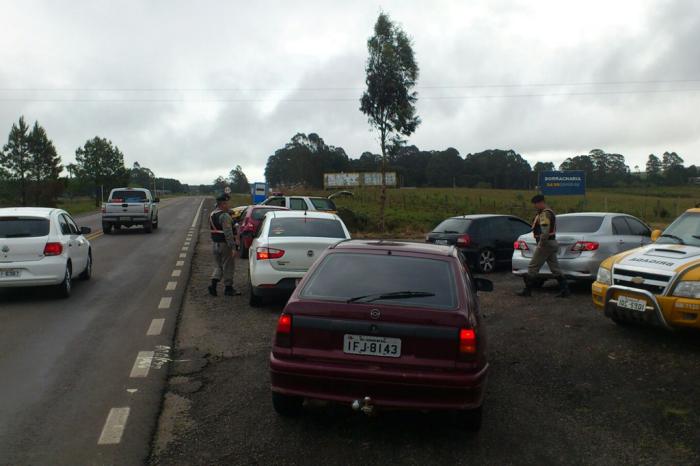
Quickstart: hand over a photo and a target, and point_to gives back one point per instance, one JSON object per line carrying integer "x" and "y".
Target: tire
{"x": 286, "y": 405}
{"x": 64, "y": 289}
{"x": 254, "y": 301}
{"x": 155, "y": 225}
{"x": 243, "y": 251}
{"x": 148, "y": 227}
{"x": 470, "y": 419}
{"x": 107, "y": 228}
{"x": 486, "y": 261}
{"x": 87, "y": 273}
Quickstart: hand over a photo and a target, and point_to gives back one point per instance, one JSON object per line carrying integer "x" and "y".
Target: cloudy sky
{"x": 191, "y": 89}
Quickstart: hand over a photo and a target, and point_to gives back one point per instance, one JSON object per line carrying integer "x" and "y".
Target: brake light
{"x": 283, "y": 335}
{"x": 521, "y": 245}
{"x": 53, "y": 249}
{"x": 463, "y": 240}
{"x": 585, "y": 246}
{"x": 263, "y": 254}
{"x": 145, "y": 208}
{"x": 467, "y": 341}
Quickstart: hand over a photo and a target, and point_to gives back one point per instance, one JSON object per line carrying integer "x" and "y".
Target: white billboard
{"x": 353, "y": 180}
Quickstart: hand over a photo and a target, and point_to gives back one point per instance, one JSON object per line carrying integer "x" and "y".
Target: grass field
{"x": 412, "y": 212}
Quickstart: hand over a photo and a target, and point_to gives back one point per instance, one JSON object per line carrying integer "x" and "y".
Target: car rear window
{"x": 259, "y": 214}
{"x": 579, "y": 223}
{"x": 306, "y": 226}
{"x": 323, "y": 204}
{"x": 129, "y": 196}
{"x": 453, "y": 225}
{"x": 23, "y": 227}
{"x": 342, "y": 276}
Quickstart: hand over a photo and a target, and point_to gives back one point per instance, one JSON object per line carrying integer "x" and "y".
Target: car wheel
{"x": 254, "y": 301}
{"x": 107, "y": 229}
{"x": 155, "y": 224}
{"x": 470, "y": 419}
{"x": 486, "y": 262}
{"x": 87, "y": 273}
{"x": 243, "y": 251}
{"x": 148, "y": 227}
{"x": 286, "y": 405}
{"x": 66, "y": 286}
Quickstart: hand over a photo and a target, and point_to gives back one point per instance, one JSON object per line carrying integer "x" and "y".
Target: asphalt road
{"x": 567, "y": 386}
{"x": 65, "y": 364}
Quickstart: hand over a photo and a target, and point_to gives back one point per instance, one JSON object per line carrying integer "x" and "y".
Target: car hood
{"x": 666, "y": 257}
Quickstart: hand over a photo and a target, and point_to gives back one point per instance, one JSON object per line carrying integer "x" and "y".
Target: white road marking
{"x": 132, "y": 390}
{"x": 114, "y": 426}
{"x": 165, "y": 302}
{"x": 183, "y": 255}
{"x": 142, "y": 364}
{"x": 187, "y": 243}
{"x": 185, "y": 248}
{"x": 176, "y": 273}
{"x": 156, "y": 327}
{"x": 179, "y": 263}
{"x": 196, "y": 216}
{"x": 170, "y": 286}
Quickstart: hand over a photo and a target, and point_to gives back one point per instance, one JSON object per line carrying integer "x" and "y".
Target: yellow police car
{"x": 657, "y": 284}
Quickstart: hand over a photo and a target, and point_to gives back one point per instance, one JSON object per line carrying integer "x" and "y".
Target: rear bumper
{"x": 581, "y": 268}
{"x": 132, "y": 220}
{"x": 44, "y": 272}
{"x": 388, "y": 389}
{"x": 281, "y": 289}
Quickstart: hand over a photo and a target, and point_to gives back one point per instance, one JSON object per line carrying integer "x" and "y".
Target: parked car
{"x": 322, "y": 204}
{"x": 658, "y": 284}
{"x": 42, "y": 247}
{"x": 377, "y": 324}
{"x": 585, "y": 240}
{"x": 127, "y": 207}
{"x": 485, "y": 240}
{"x": 287, "y": 245}
{"x": 250, "y": 220}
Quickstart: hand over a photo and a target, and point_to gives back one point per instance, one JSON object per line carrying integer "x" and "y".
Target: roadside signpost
{"x": 259, "y": 192}
{"x": 563, "y": 183}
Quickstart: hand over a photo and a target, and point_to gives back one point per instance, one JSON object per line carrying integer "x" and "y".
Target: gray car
{"x": 585, "y": 240}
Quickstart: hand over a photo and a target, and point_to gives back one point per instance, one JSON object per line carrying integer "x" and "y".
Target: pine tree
{"x": 44, "y": 167}
{"x": 15, "y": 157}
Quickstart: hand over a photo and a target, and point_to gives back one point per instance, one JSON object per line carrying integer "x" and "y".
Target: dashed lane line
{"x": 142, "y": 364}
{"x": 183, "y": 255}
{"x": 179, "y": 263}
{"x": 156, "y": 327}
{"x": 114, "y": 426}
{"x": 170, "y": 286}
{"x": 176, "y": 273}
{"x": 165, "y": 302}
{"x": 185, "y": 248}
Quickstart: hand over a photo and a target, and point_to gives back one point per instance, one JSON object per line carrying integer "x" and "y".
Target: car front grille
{"x": 655, "y": 283}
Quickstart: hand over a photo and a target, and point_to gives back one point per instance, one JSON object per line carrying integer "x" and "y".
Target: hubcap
{"x": 487, "y": 261}
{"x": 68, "y": 279}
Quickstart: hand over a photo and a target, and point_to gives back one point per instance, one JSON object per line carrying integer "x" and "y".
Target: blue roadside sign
{"x": 259, "y": 192}
{"x": 563, "y": 183}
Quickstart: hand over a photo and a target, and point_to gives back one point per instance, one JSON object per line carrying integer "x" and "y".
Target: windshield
{"x": 579, "y": 223}
{"x": 23, "y": 227}
{"x": 322, "y": 204}
{"x": 303, "y": 226}
{"x": 129, "y": 197}
{"x": 343, "y": 276}
{"x": 685, "y": 229}
{"x": 453, "y": 225}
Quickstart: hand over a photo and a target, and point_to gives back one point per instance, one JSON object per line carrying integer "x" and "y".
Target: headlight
{"x": 687, "y": 289}
{"x": 604, "y": 276}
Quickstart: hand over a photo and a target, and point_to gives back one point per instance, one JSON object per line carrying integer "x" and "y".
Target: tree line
{"x": 32, "y": 173}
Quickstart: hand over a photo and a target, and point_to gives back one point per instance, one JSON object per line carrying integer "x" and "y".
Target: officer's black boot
{"x": 229, "y": 291}
{"x": 212, "y": 287}
{"x": 527, "y": 291}
{"x": 564, "y": 291}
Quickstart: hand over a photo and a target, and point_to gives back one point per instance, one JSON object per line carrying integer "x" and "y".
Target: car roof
{"x": 390, "y": 245}
{"x": 592, "y": 214}
{"x": 303, "y": 214}
{"x": 478, "y": 216}
{"x": 31, "y": 211}
{"x": 265, "y": 206}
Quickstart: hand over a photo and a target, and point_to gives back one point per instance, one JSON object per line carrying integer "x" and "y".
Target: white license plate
{"x": 440, "y": 241}
{"x": 372, "y": 346}
{"x": 633, "y": 304}
{"x": 10, "y": 273}
{"x": 124, "y": 219}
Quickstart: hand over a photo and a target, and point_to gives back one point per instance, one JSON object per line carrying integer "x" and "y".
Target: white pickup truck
{"x": 127, "y": 207}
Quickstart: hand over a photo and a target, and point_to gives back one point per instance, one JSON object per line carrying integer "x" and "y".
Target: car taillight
{"x": 463, "y": 240}
{"x": 104, "y": 209}
{"x": 283, "y": 336}
{"x": 585, "y": 246}
{"x": 263, "y": 254}
{"x": 521, "y": 245}
{"x": 53, "y": 249}
{"x": 145, "y": 209}
{"x": 467, "y": 342}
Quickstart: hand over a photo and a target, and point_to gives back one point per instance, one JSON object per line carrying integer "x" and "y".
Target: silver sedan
{"x": 585, "y": 240}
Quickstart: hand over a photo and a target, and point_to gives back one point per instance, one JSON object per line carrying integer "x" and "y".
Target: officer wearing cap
{"x": 544, "y": 228}
{"x": 224, "y": 247}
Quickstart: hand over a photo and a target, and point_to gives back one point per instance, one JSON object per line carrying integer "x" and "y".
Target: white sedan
{"x": 42, "y": 247}
{"x": 287, "y": 244}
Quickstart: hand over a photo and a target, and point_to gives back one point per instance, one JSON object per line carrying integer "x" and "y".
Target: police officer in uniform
{"x": 224, "y": 247}
{"x": 544, "y": 227}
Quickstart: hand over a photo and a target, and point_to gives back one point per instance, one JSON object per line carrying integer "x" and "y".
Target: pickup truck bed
{"x": 129, "y": 207}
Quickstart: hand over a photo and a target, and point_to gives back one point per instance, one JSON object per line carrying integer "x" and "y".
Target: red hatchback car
{"x": 251, "y": 219}
{"x": 378, "y": 324}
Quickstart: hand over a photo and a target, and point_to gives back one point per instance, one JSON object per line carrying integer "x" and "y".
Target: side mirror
{"x": 655, "y": 234}
{"x": 157, "y": 199}
{"x": 85, "y": 230}
{"x": 483, "y": 284}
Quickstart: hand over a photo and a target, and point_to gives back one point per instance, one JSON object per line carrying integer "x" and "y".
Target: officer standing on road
{"x": 544, "y": 227}
{"x": 224, "y": 247}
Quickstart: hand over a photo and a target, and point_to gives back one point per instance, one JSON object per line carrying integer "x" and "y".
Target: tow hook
{"x": 365, "y": 405}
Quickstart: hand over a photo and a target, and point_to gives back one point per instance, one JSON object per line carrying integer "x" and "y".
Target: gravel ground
{"x": 566, "y": 386}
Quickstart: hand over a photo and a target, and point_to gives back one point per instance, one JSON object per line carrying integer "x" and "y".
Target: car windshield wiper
{"x": 18, "y": 235}
{"x": 669, "y": 235}
{"x": 395, "y": 295}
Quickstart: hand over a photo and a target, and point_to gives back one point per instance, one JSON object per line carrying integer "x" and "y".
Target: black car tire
{"x": 243, "y": 251}
{"x": 87, "y": 273}
{"x": 470, "y": 419}
{"x": 155, "y": 224}
{"x": 286, "y": 405}
{"x": 253, "y": 300}
{"x": 64, "y": 289}
{"x": 486, "y": 261}
{"x": 107, "y": 228}
{"x": 148, "y": 227}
